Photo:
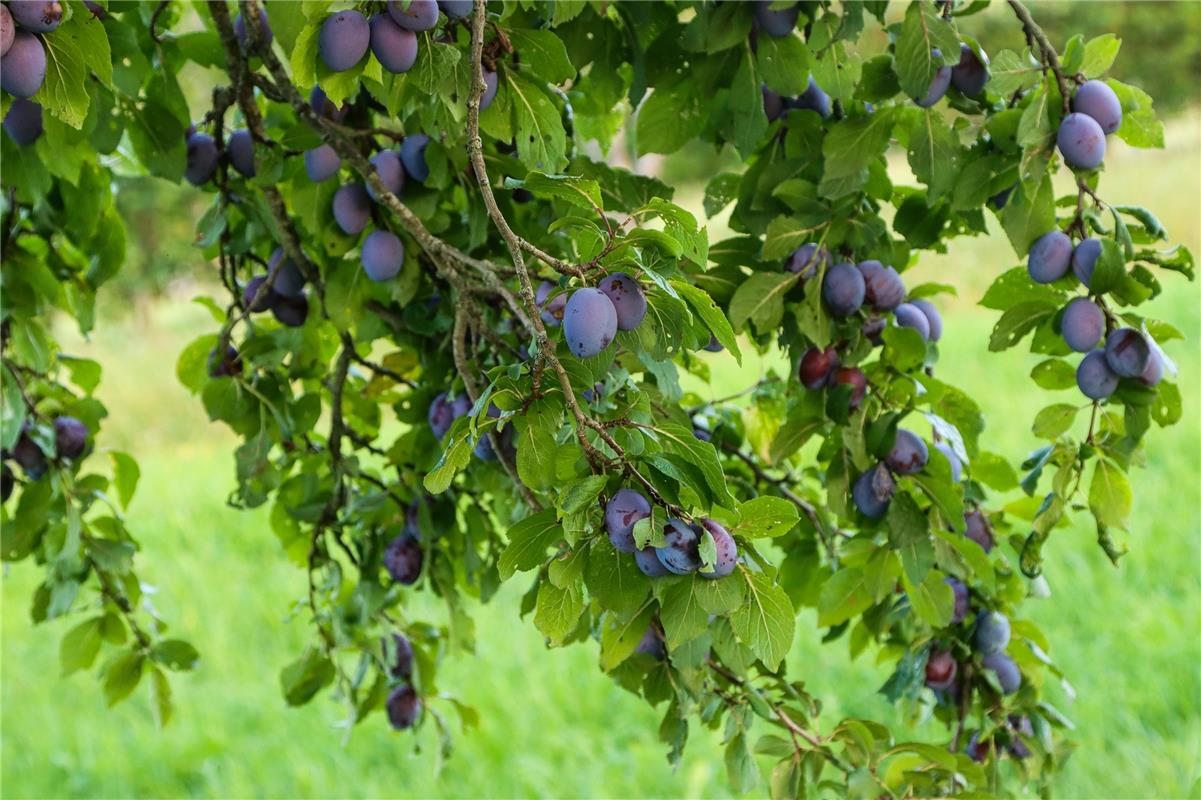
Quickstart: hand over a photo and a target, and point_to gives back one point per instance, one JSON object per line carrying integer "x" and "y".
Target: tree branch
{"x": 1049, "y": 56}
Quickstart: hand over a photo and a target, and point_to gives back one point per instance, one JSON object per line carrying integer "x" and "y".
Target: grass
{"x": 552, "y": 724}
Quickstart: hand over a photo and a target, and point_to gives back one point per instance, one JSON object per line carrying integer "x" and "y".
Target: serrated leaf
{"x": 760, "y": 299}
{"x": 767, "y": 621}
{"x": 528, "y": 541}
{"x": 1109, "y": 496}
{"x": 766, "y": 516}
{"x": 909, "y": 535}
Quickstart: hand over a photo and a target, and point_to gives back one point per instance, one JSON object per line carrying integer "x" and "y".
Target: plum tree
{"x": 403, "y": 559}
{"x": 939, "y": 83}
{"x": 23, "y": 122}
{"x": 1005, "y": 669}
{"x": 492, "y": 83}
{"x": 813, "y": 99}
{"x": 992, "y": 632}
{"x": 807, "y": 259}
{"x": 648, "y": 562}
{"x": 23, "y": 67}
{"x": 1094, "y": 377}
{"x": 414, "y": 15}
{"x": 552, "y": 311}
{"x": 242, "y": 34}
{"x": 1084, "y": 259}
{"x": 455, "y": 9}
{"x": 971, "y": 73}
{"x": 1081, "y": 141}
{"x": 622, "y": 512}
{"x": 352, "y": 208}
{"x": 589, "y": 322}
{"x": 959, "y": 591}
{"x": 388, "y": 167}
{"x": 680, "y": 555}
{"x": 1097, "y": 100}
{"x": 726, "y": 549}
{"x": 402, "y": 659}
{"x": 883, "y": 288}
{"x": 908, "y": 454}
{"x": 290, "y": 311}
{"x": 393, "y": 46}
{"x": 952, "y": 459}
{"x": 843, "y": 289}
{"x": 977, "y": 529}
{"x": 382, "y": 256}
{"x": 404, "y": 707}
{"x": 202, "y": 159}
{"x": 777, "y": 22}
{"x": 322, "y": 163}
{"x": 289, "y": 281}
{"x": 412, "y": 155}
{"x": 1128, "y": 352}
{"x": 627, "y": 297}
{"x": 854, "y": 378}
{"x": 344, "y": 39}
{"x": 941, "y": 670}
{"x": 8, "y": 30}
{"x": 1083, "y": 324}
{"x": 910, "y": 316}
{"x": 241, "y": 152}
{"x": 1049, "y": 257}
{"x": 873, "y": 491}
{"x": 933, "y": 318}
{"x": 37, "y": 16}
{"x": 816, "y": 366}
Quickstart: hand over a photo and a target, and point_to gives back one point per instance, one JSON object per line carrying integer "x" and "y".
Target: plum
{"x": 483, "y": 445}
{"x": 680, "y": 554}
{"x": 589, "y": 322}
{"x": 403, "y": 558}
{"x": 933, "y": 318}
{"x": 910, "y": 316}
{"x": 977, "y": 529}
{"x": 322, "y": 163}
{"x": 8, "y": 481}
{"x": 1081, "y": 141}
{"x": 649, "y": 563}
{"x": 23, "y": 67}
{"x": 37, "y": 16}
{"x": 1094, "y": 377}
{"x": 1098, "y": 101}
{"x": 998, "y": 200}
{"x": 594, "y": 393}
{"x": 1153, "y": 374}
{"x": 8, "y": 29}
{"x": 412, "y": 155}
{"x": 726, "y": 547}
{"x": 402, "y": 663}
{"x": 491, "y": 84}
{"x": 971, "y": 73}
{"x": 352, "y": 208}
{"x": 290, "y": 311}
{"x": 414, "y": 15}
{"x": 1084, "y": 259}
{"x": 391, "y": 173}
{"x": 552, "y": 312}
{"x": 456, "y": 9}
{"x": 960, "y": 593}
{"x": 404, "y": 707}
{"x": 938, "y": 84}
{"x": 873, "y": 491}
{"x": 290, "y": 280}
{"x": 264, "y": 27}
{"x": 252, "y": 289}
{"x": 816, "y": 366}
{"x": 227, "y": 366}
{"x": 908, "y": 454}
{"x": 1128, "y": 352}
{"x": 976, "y": 749}
{"x": 714, "y": 346}
{"x": 628, "y": 299}
{"x": 853, "y": 377}
{"x": 325, "y": 107}
{"x": 622, "y": 512}
{"x": 956, "y": 464}
{"x": 776, "y": 22}
{"x": 202, "y": 159}
{"x": 773, "y": 104}
{"x": 843, "y": 289}
{"x": 241, "y": 152}
{"x": 807, "y": 260}
{"x": 383, "y": 255}
{"x": 343, "y": 40}
{"x": 70, "y": 437}
{"x": 651, "y": 644}
{"x": 23, "y": 122}
{"x": 1021, "y": 727}
{"x": 394, "y": 47}
{"x": 1083, "y": 324}
{"x": 29, "y": 455}
{"x": 941, "y": 669}
{"x": 1049, "y": 257}
{"x": 444, "y": 410}
{"x": 873, "y": 329}
{"x": 813, "y": 99}
{"x": 992, "y": 632}
{"x": 883, "y": 288}
{"x": 1006, "y": 670}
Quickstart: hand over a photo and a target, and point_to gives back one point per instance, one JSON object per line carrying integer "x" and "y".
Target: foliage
{"x": 517, "y": 478}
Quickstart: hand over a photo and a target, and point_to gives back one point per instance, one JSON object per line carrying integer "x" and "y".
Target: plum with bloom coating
{"x": 622, "y": 513}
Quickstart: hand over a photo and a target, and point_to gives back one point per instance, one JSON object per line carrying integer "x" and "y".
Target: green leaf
{"x": 1140, "y": 127}
{"x": 766, "y": 516}
{"x": 558, "y": 610}
{"x": 125, "y": 476}
{"x": 614, "y": 580}
{"x": 785, "y": 234}
{"x": 843, "y": 595}
{"x": 669, "y": 118}
{"x": 760, "y": 299}
{"x": 909, "y": 535}
{"x": 1029, "y": 214}
{"x": 921, "y": 33}
{"x": 1054, "y": 420}
{"x": 1010, "y": 73}
{"x": 580, "y": 192}
{"x": 456, "y": 454}
{"x": 121, "y": 675}
{"x": 934, "y": 153}
{"x": 620, "y": 636}
{"x": 64, "y": 93}
{"x": 1099, "y": 55}
{"x": 578, "y": 495}
{"x": 766, "y": 622}
{"x": 12, "y": 409}
{"x": 541, "y": 140}
{"x": 681, "y": 612}
{"x": 848, "y": 149}
{"x": 175, "y": 654}
{"x": 542, "y": 52}
{"x": 161, "y": 697}
{"x": 80, "y": 645}
{"x": 528, "y": 541}
{"x": 783, "y": 64}
{"x": 306, "y": 676}
{"x": 1018, "y": 321}
{"x": 1109, "y": 496}
{"x": 1054, "y": 373}
{"x": 746, "y": 104}
{"x": 678, "y": 439}
{"x": 536, "y": 446}
{"x": 932, "y": 600}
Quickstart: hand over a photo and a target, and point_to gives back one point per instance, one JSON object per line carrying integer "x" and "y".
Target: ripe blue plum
{"x": 883, "y": 287}
{"x": 70, "y": 437}
{"x": 224, "y": 366}
{"x": 289, "y": 280}
{"x": 1094, "y": 377}
{"x": 456, "y": 9}
{"x": 29, "y": 456}
{"x": 956, "y": 464}
{"x": 714, "y": 346}
{"x": 873, "y": 491}
{"x": 383, "y": 255}
{"x": 202, "y": 159}
{"x": 628, "y": 299}
{"x": 589, "y": 322}
{"x": 8, "y": 481}
{"x": 241, "y": 152}
{"x": 1153, "y": 374}
{"x": 680, "y": 555}
{"x": 404, "y": 707}
{"x": 976, "y": 749}
{"x": 483, "y": 445}
{"x": 243, "y": 34}
{"x": 941, "y": 669}
{"x": 807, "y": 260}
{"x": 251, "y": 291}
{"x": 971, "y": 73}
{"x": 977, "y": 529}
{"x": 853, "y": 377}
{"x": 1049, "y": 257}
{"x": 8, "y": 30}
{"x": 394, "y": 47}
{"x": 352, "y": 208}
{"x": 813, "y": 99}
{"x": 403, "y": 558}
{"x": 1128, "y": 352}
{"x": 1098, "y": 101}
{"x": 873, "y": 329}
{"x": 23, "y": 67}
{"x": 552, "y": 312}
{"x": 343, "y": 40}
{"x": 37, "y": 16}
{"x": 23, "y": 122}
{"x": 843, "y": 289}
{"x": 1083, "y": 324}
{"x": 1081, "y": 141}
{"x": 322, "y": 163}
{"x": 290, "y": 311}
{"x": 649, "y": 563}
{"x": 938, "y": 84}
{"x": 908, "y": 454}
{"x": 910, "y": 316}
{"x": 775, "y": 22}
{"x": 414, "y": 15}
{"x": 773, "y": 104}
{"x": 816, "y": 367}
{"x": 412, "y": 155}
{"x": 391, "y": 173}
{"x": 491, "y": 84}
{"x": 325, "y": 107}
{"x": 402, "y": 662}
{"x": 1006, "y": 670}
{"x": 595, "y": 393}
{"x": 992, "y": 632}
{"x": 998, "y": 200}
{"x": 726, "y": 547}
{"x": 960, "y": 593}
{"x": 622, "y": 512}
{"x": 651, "y": 644}
{"x": 1084, "y": 259}
{"x": 444, "y": 410}
{"x": 933, "y": 318}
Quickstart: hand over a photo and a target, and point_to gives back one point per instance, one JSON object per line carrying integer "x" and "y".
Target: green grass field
{"x": 552, "y": 724}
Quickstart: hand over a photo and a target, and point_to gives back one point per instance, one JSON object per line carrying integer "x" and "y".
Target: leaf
{"x": 1009, "y": 73}
{"x": 80, "y": 645}
{"x": 161, "y": 697}
{"x": 1015, "y": 323}
{"x": 681, "y": 612}
{"x": 668, "y": 119}
{"x": 848, "y": 149}
{"x": 681, "y": 440}
{"x": 578, "y": 495}
{"x": 746, "y": 104}
{"x": 786, "y": 234}
{"x": 922, "y": 32}
{"x": 909, "y": 535}
{"x": 711, "y": 315}
{"x": 541, "y": 140}
{"x": 1140, "y": 127}
{"x": 614, "y": 580}
{"x": 766, "y": 516}
{"x": 783, "y": 64}
{"x": 175, "y": 654}
{"x": 1029, "y": 214}
{"x": 760, "y": 298}
{"x": 1099, "y": 55}
{"x": 766, "y": 622}
{"x": 306, "y": 676}
{"x": 580, "y": 192}
{"x": 125, "y": 476}
{"x": 12, "y": 409}
{"x": 536, "y": 446}
{"x": 1054, "y": 373}
{"x": 620, "y": 636}
{"x": 558, "y": 610}
{"x": 528, "y": 541}
{"x": 720, "y": 191}
{"x": 1109, "y": 496}
{"x": 456, "y": 454}
{"x": 1054, "y": 420}
{"x": 121, "y": 675}
{"x": 542, "y": 52}
{"x": 932, "y": 599}
{"x": 64, "y": 92}
{"x": 934, "y": 153}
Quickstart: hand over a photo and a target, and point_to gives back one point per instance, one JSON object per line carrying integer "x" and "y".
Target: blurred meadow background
{"x": 1129, "y": 638}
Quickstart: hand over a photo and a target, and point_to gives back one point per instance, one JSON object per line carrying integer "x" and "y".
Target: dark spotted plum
{"x": 344, "y": 39}
{"x": 775, "y": 22}
{"x": 977, "y": 529}
{"x": 1006, "y": 670}
{"x": 264, "y": 28}
{"x": 960, "y": 593}
{"x": 1127, "y": 352}
{"x": 414, "y": 15}
{"x": 552, "y": 312}
{"x": 680, "y": 554}
{"x": 290, "y": 280}
{"x": 290, "y": 311}
{"x": 883, "y": 288}
{"x": 241, "y": 152}
{"x": 806, "y": 260}
{"x": 992, "y": 632}
{"x": 941, "y": 669}
{"x": 1084, "y": 259}
{"x": 383, "y": 255}
{"x": 70, "y": 437}
{"x": 412, "y": 155}
{"x": 23, "y": 67}
{"x": 816, "y": 366}
{"x": 403, "y": 558}
{"x": 971, "y": 73}
{"x": 322, "y": 163}
{"x": 23, "y": 122}
{"x": 649, "y": 563}
{"x": 402, "y": 661}
{"x": 37, "y": 16}
{"x": 727, "y": 550}
{"x": 1098, "y": 101}
{"x": 456, "y": 9}
{"x": 404, "y": 707}
{"x": 853, "y": 377}
{"x": 1049, "y": 257}
{"x": 933, "y": 318}
{"x": 491, "y": 84}
{"x": 1081, "y": 141}
{"x": 938, "y": 84}
{"x": 628, "y": 299}
{"x": 908, "y": 454}
{"x": 589, "y": 322}
{"x": 391, "y": 173}
{"x": 352, "y": 208}
{"x": 910, "y": 316}
{"x": 394, "y": 47}
{"x": 843, "y": 289}
{"x": 873, "y": 491}
{"x": 1094, "y": 377}
{"x": 1083, "y": 324}
{"x": 956, "y": 464}
{"x": 622, "y": 512}
{"x": 813, "y": 99}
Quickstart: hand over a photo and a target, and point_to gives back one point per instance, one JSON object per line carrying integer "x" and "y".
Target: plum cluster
{"x": 70, "y": 444}
{"x": 285, "y": 296}
{"x": 989, "y": 637}
{"x": 591, "y": 317}
{"x": 680, "y": 553}
{"x": 1096, "y": 113}
{"x": 969, "y": 75}
{"x": 22, "y": 53}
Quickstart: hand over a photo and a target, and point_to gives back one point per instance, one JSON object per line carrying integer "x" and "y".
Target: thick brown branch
{"x": 1049, "y": 56}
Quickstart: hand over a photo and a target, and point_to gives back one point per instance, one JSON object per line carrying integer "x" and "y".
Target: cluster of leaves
{"x": 518, "y": 483}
